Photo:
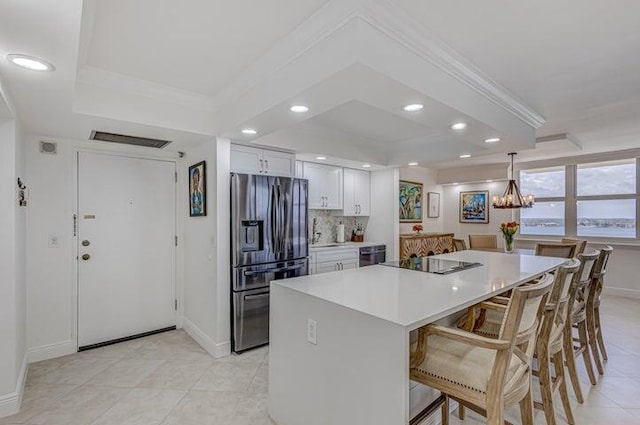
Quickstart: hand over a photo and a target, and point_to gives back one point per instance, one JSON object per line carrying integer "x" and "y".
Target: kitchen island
{"x": 339, "y": 342}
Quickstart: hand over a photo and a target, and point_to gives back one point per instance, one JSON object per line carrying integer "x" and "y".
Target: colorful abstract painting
{"x": 410, "y": 202}
{"x": 474, "y": 207}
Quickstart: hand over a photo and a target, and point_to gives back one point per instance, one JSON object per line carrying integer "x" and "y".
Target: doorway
{"x": 126, "y": 226}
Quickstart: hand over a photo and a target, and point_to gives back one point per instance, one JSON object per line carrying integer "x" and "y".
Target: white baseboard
{"x": 10, "y": 403}
{"x": 216, "y": 350}
{"x": 622, "y": 292}
{"x": 52, "y": 351}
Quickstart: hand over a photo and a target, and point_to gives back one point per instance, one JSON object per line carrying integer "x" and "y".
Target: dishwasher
{"x": 370, "y": 255}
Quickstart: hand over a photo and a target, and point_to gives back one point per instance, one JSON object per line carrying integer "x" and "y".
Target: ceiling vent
{"x": 128, "y": 140}
{"x": 50, "y": 148}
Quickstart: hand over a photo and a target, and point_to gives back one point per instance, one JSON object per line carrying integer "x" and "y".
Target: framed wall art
{"x": 410, "y": 202}
{"x": 474, "y": 207}
{"x": 433, "y": 205}
{"x": 198, "y": 190}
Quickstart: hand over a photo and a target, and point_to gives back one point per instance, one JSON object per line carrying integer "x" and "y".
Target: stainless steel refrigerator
{"x": 268, "y": 242}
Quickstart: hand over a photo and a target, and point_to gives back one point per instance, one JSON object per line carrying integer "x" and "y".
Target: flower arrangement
{"x": 508, "y": 230}
{"x": 417, "y": 228}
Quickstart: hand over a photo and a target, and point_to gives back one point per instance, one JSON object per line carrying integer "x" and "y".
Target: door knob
{"x": 85, "y": 257}
{"x": 86, "y": 243}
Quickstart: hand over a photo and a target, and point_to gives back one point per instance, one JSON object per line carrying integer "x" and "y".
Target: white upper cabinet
{"x": 357, "y": 196}
{"x": 325, "y": 186}
{"x": 248, "y": 160}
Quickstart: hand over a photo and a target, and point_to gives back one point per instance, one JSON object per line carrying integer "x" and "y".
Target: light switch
{"x": 54, "y": 242}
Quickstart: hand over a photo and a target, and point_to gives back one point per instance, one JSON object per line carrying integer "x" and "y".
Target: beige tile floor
{"x": 168, "y": 379}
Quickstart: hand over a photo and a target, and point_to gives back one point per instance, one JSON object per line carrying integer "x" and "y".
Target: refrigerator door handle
{"x": 256, "y": 296}
{"x": 274, "y": 218}
{"x": 281, "y": 269}
{"x": 281, "y": 225}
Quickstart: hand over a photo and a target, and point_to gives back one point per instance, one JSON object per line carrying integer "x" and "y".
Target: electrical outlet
{"x": 312, "y": 331}
{"x": 54, "y": 242}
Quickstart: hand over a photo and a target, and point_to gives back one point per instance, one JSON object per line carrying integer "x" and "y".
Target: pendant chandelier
{"x": 512, "y": 198}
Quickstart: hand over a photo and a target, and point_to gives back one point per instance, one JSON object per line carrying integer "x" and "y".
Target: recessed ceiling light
{"x": 414, "y": 107}
{"x": 299, "y": 109}
{"x": 458, "y": 126}
{"x": 455, "y": 183}
{"x": 366, "y": 165}
{"x": 465, "y": 155}
{"x": 492, "y": 140}
{"x": 249, "y": 131}
{"x": 30, "y": 62}
{"x": 321, "y": 158}
{"x": 413, "y": 164}
{"x": 489, "y": 181}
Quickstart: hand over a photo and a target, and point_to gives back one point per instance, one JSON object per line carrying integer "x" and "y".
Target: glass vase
{"x": 508, "y": 244}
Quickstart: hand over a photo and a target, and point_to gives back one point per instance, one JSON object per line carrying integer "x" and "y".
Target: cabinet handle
{"x": 266, "y": 166}
{"x": 261, "y": 165}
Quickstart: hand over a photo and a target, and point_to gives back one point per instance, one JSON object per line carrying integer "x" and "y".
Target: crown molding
{"x": 123, "y": 83}
{"x": 338, "y": 18}
{"x": 400, "y": 26}
{"x": 396, "y": 24}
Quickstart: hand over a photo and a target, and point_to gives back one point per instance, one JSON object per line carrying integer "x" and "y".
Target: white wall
{"x": 383, "y": 223}
{"x": 206, "y": 253}
{"x": 50, "y": 278}
{"x": 12, "y": 269}
{"x": 428, "y": 178}
{"x": 451, "y": 209}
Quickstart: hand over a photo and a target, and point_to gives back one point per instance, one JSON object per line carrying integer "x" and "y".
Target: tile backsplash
{"x": 327, "y": 224}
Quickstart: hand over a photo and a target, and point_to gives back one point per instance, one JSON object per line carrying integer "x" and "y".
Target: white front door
{"x": 126, "y": 246}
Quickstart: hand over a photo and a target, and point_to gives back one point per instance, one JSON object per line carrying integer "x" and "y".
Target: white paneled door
{"x": 126, "y": 246}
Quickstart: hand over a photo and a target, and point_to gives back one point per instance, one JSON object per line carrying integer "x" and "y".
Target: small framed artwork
{"x": 198, "y": 190}
{"x": 474, "y": 207}
{"x": 433, "y": 205}
{"x": 410, "y": 202}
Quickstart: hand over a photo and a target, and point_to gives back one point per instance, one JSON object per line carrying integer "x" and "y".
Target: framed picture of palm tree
{"x": 411, "y": 205}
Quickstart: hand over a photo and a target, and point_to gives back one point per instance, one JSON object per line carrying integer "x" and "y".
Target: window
{"x": 606, "y": 204}
{"x": 594, "y": 200}
{"x": 547, "y": 215}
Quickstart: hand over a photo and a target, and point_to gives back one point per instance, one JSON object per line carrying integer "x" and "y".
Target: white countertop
{"x": 412, "y": 298}
{"x": 336, "y": 245}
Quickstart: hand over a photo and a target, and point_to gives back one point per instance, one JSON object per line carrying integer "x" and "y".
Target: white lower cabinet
{"x": 332, "y": 260}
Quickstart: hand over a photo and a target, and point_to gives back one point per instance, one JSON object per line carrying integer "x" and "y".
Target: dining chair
{"x": 556, "y": 250}
{"x": 594, "y": 328}
{"x": 483, "y": 241}
{"x": 578, "y": 345}
{"x": 485, "y": 374}
{"x": 459, "y": 244}
{"x": 581, "y": 244}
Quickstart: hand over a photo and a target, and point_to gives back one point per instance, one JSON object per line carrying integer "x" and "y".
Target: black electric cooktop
{"x": 432, "y": 265}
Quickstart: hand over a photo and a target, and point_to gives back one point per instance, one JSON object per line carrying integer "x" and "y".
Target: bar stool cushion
{"x": 463, "y": 364}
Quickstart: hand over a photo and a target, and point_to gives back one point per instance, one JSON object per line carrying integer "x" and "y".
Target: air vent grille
{"x": 50, "y": 148}
{"x": 128, "y": 140}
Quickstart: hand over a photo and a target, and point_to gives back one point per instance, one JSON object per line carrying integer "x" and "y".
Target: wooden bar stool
{"x": 581, "y": 244}
{"x": 485, "y": 374}
{"x": 556, "y": 250}
{"x": 594, "y": 328}
{"x": 549, "y": 348}
{"x": 579, "y": 345}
